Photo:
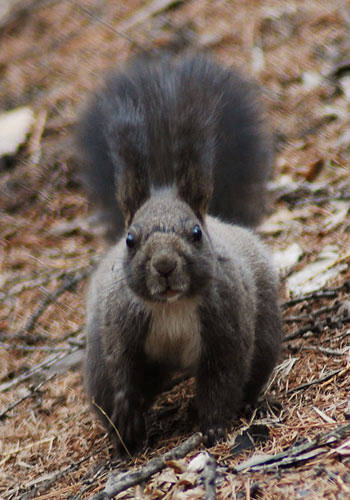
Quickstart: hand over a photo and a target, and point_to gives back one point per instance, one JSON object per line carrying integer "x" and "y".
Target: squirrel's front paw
{"x": 128, "y": 421}
{"x": 213, "y": 433}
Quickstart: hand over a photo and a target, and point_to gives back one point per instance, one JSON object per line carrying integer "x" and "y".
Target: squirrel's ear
{"x": 129, "y": 153}
{"x": 194, "y": 141}
{"x": 195, "y": 187}
{"x": 194, "y": 160}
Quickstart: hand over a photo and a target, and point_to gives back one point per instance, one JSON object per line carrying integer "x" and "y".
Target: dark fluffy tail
{"x": 161, "y": 115}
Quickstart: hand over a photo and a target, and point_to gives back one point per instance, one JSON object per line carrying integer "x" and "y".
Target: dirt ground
{"x": 53, "y": 53}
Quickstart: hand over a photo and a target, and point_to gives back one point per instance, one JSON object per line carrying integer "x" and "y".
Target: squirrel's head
{"x": 168, "y": 252}
{"x": 168, "y": 255}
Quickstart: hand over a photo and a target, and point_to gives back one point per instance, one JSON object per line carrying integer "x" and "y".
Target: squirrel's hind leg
{"x": 266, "y": 352}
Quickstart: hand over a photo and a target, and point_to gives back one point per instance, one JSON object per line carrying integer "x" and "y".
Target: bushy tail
{"x": 176, "y": 121}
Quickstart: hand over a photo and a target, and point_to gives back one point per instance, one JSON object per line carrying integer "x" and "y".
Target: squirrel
{"x": 178, "y": 141}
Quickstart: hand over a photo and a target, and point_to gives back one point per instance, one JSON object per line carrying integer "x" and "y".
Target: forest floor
{"x": 53, "y": 53}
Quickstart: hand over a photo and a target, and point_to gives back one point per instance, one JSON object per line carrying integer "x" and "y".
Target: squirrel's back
{"x": 160, "y": 113}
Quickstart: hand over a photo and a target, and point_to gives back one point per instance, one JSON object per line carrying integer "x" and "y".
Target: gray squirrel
{"x": 175, "y": 139}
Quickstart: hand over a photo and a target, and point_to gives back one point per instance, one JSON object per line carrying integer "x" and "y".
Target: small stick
{"x": 15, "y": 287}
{"x": 124, "y": 480}
{"x": 316, "y": 327}
{"x": 26, "y": 348}
{"x": 121, "y": 33}
{"x": 341, "y": 336}
{"x": 22, "y": 9}
{"x": 327, "y": 376}
{"x": 313, "y": 314}
{"x": 340, "y": 374}
{"x": 300, "y": 332}
{"x": 67, "y": 285}
{"x": 297, "y": 453}
{"x": 324, "y": 350}
{"x": 45, "y": 481}
{"x": 29, "y": 373}
{"x": 322, "y": 199}
{"x": 320, "y": 294}
{"x": 30, "y": 394}
{"x": 141, "y": 15}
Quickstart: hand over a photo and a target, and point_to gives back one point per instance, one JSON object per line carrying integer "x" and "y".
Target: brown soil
{"x": 52, "y": 54}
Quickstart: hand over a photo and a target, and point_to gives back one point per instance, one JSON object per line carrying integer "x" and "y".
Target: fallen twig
{"x": 22, "y": 284}
{"x": 29, "y": 373}
{"x": 340, "y": 374}
{"x": 121, "y": 33}
{"x": 313, "y": 314}
{"x": 317, "y": 327}
{"x": 341, "y": 336}
{"x": 295, "y": 454}
{"x": 310, "y": 327}
{"x": 28, "y": 348}
{"x": 20, "y": 9}
{"x": 323, "y": 199}
{"x": 146, "y": 12}
{"x": 29, "y": 394}
{"x": 324, "y": 350}
{"x": 328, "y": 293}
{"x": 13, "y": 288}
{"x": 44, "y": 482}
{"x": 320, "y": 294}
{"x": 325, "y": 377}
{"x": 124, "y": 480}
{"x": 89, "y": 481}
{"x": 68, "y": 284}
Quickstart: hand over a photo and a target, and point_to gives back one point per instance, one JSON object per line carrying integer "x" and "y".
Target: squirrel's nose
{"x": 164, "y": 264}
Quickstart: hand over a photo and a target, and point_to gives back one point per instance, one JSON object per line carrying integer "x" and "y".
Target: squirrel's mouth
{"x": 171, "y": 295}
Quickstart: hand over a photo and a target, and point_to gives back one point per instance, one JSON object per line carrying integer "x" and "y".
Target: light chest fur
{"x": 174, "y": 335}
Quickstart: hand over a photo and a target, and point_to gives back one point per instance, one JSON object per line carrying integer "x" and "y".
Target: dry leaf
{"x": 14, "y": 128}
{"x": 285, "y": 259}
{"x": 311, "y": 80}
{"x": 197, "y": 463}
{"x": 315, "y": 275}
{"x": 340, "y": 212}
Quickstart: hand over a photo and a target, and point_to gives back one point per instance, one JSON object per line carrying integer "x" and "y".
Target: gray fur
{"x": 224, "y": 328}
{"x": 187, "y": 292}
{"x": 169, "y": 117}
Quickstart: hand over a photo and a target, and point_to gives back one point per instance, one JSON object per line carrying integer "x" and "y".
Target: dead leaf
{"x": 314, "y": 170}
{"x": 311, "y": 80}
{"x": 15, "y": 125}
{"x": 340, "y": 210}
{"x": 315, "y": 275}
{"x": 285, "y": 259}
{"x": 345, "y": 85}
{"x": 178, "y": 466}
{"x": 198, "y": 463}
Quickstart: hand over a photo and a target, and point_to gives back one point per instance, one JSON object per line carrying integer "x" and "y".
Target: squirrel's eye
{"x": 130, "y": 240}
{"x": 197, "y": 233}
